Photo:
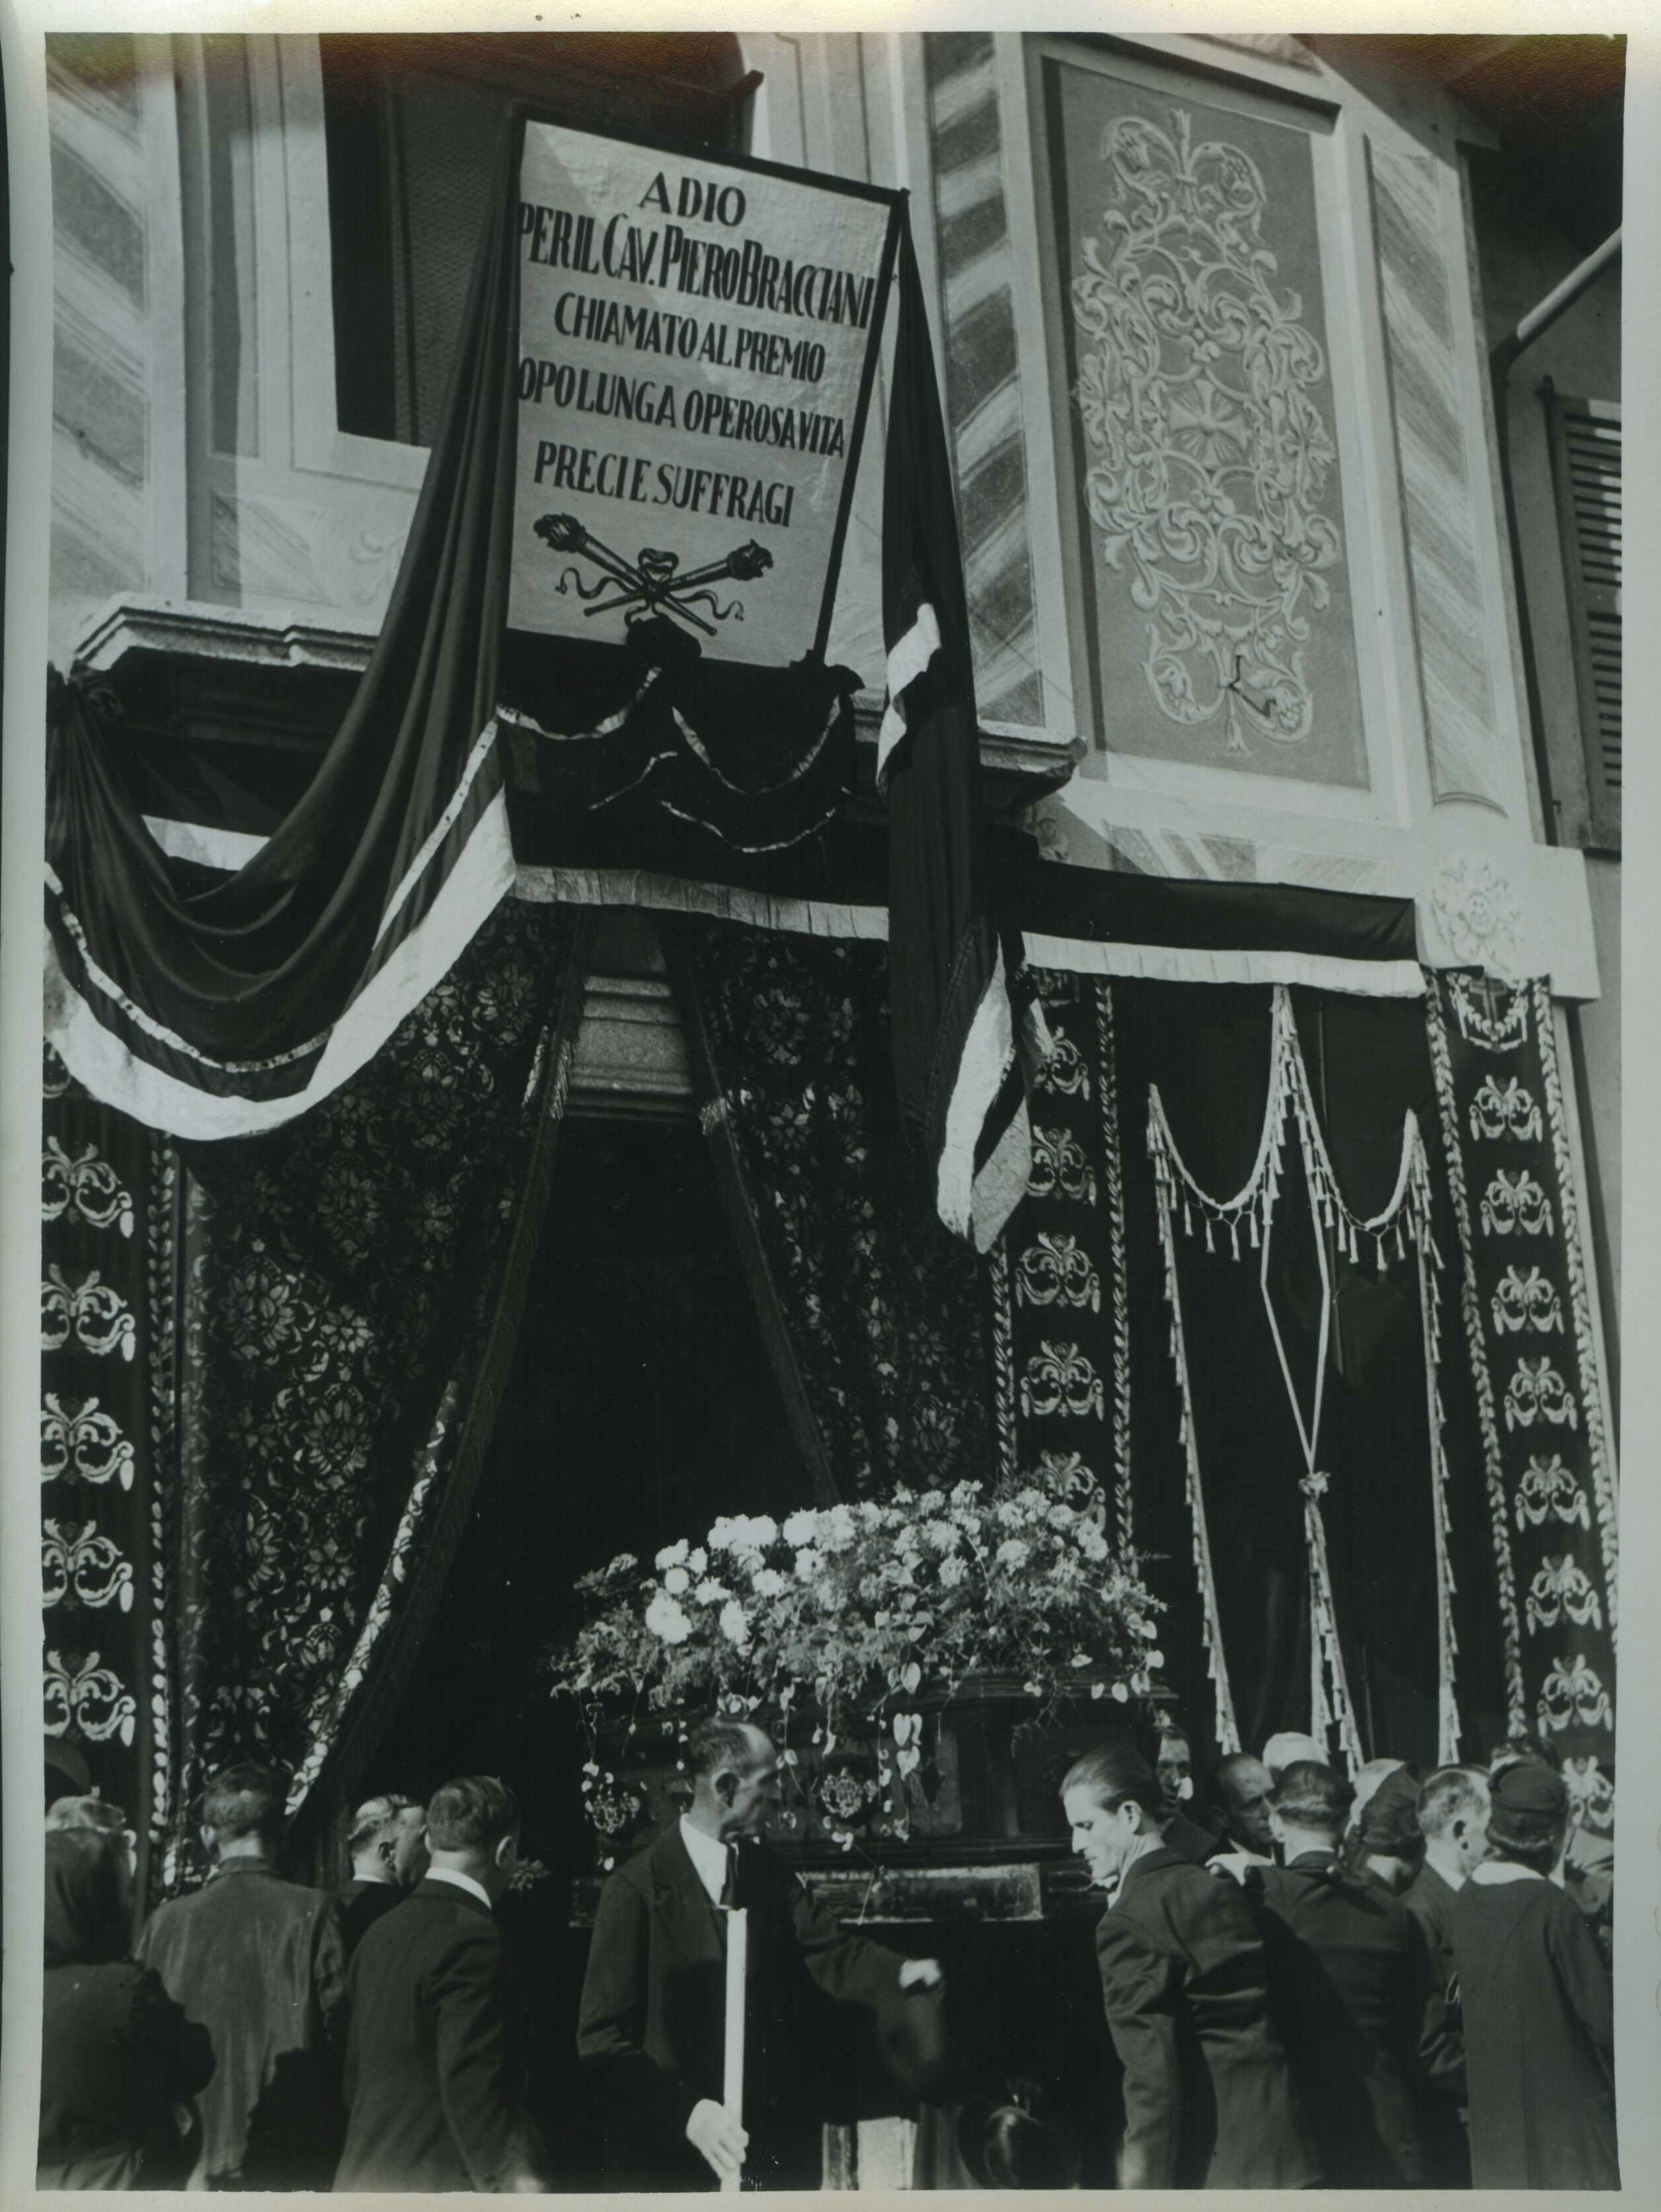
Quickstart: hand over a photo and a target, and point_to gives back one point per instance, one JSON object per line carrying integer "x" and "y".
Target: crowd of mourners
{"x": 1400, "y": 1983}
{"x": 1396, "y": 1982}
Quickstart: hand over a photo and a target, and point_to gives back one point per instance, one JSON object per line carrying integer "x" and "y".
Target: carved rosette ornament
{"x": 1210, "y": 457}
{"x": 1478, "y": 915}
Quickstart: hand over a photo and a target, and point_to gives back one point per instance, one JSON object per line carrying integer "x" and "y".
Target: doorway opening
{"x": 641, "y": 1405}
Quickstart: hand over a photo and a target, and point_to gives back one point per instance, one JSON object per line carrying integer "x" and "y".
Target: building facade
{"x": 1279, "y": 623}
{"x": 1213, "y": 321}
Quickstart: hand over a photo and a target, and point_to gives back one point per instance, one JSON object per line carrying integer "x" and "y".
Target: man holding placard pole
{"x": 662, "y": 2032}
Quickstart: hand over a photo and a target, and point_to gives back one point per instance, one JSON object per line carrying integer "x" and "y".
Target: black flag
{"x": 965, "y": 1025}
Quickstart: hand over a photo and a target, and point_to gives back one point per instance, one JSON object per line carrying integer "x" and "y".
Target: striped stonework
{"x": 983, "y": 385}
{"x": 1437, "y": 491}
{"x": 101, "y": 330}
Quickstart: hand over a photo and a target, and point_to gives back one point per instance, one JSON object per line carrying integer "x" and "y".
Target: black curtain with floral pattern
{"x": 349, "y": 1290}
{"x": 876, "y": 1319}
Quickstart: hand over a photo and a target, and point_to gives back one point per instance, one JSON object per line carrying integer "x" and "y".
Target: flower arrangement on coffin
{"x": 855, "y": 1616}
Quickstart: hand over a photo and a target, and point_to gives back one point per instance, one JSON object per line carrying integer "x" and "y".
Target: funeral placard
{"x": 696, "y": 344}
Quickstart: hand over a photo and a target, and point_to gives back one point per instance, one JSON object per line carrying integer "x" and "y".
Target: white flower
{"x": 711, "y": 1593}
{"x": 697, "y": 1561}
{"x": 676, "y": 1581}
{"x": 953, "y": 1570}
{"x": 1013, "y": 1552}
{"x": 665, "y": 1618}
{"x": 836, "y": 1529}
{"x": 734, "y": 1627}
{"x": 671, "y": 1555}
{"x": 1011, "y": 1515}
{"x": 966, "y": 1493}
{"x": 802, "y": 1527}
{"x": 808, "y": 1563}
{"x": 940, "y": 1534}
{"x": 1092, "y": 1542}
{"x": 871, "y": 1516}
{"x": 1121, "y": 1693}
{"x": 770, "y": 1582}
{"x": 742, "y": 1533}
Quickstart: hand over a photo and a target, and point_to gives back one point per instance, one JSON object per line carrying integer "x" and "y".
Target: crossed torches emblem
{"x": 653, "y": 584}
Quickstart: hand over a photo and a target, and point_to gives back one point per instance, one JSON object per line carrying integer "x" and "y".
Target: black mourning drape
{"x": 216, "y": 1010}
{"x": 907, "y": 1360}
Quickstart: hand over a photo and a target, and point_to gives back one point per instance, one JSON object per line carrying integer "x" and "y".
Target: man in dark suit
{"x": 260, "y": 1964}
{"x": 387, "y": 1841}
{"x": 434, "y": 2092}
{"x": 1454, "y": 1816}
{"x": 1185, "y": 1825}
{"x": 1208, "y": 2097}
{"x": 651, "y": 2030}
{"x": 1243, "y": 1788}
{"x": 1352, "y": 1988}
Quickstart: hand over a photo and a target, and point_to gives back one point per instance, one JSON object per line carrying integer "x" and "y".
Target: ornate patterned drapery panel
{"x": 106, "y": 1309}
{"x": 1060, "y": 1303}
{"x": 349, "y": 1293}
{"x": 1527, "y": 1318}
{"x": 877, "y": 1316}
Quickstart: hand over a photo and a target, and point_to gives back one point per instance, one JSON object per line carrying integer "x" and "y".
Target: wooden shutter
{"x": 1586, "y": 461}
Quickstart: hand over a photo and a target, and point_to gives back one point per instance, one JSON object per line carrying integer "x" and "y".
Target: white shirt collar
{"x": 1494, "y": 1871}
{"x": 461, "y": 1881}
{"x": 708, "y": 1855}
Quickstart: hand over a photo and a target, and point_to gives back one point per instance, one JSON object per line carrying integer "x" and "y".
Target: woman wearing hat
{"x": 1536, "y": 2001}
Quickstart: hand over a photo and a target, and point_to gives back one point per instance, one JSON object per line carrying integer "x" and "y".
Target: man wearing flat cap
{"x": 1536, "y": 2003}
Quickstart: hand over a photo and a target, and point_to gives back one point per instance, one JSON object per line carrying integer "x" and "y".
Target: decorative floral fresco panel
{"x": 1204, "y": 431}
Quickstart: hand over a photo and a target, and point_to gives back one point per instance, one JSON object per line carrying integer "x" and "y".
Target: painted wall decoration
{"x": 1203, "y": 431}
{"x": 105, "y": 327}
{"x": 1437, "y": 503}
{"x": 979, "y": 357}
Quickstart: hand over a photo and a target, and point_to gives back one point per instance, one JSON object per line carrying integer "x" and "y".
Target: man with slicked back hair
{"x": 435, "y": 2059}
{"x": 1208, "y": 2097}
